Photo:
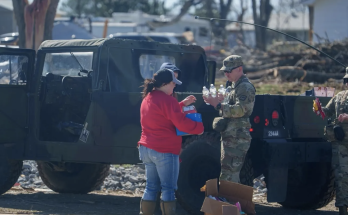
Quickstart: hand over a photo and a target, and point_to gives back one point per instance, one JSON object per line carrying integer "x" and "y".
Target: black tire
{"x": 246, "y": 174}
{"x": 10, "y": 170}
{"x": 200, "y": 162}
{"x": 310, "y": 186}
{"x": 83, "y": 179}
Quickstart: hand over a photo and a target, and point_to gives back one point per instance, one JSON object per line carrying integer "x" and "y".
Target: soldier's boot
{"x": 168, "y": 208}
{"x": 147, "y": 207}
{"x": 342, "y": 210}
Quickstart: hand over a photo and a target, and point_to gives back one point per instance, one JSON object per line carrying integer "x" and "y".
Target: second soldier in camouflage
{"x": 235, "y": 139}
{"x": 337, "y": 108}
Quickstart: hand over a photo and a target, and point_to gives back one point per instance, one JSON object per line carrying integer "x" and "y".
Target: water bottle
{"x": 227, "y": 92}
{"x": 212, "y": 90}
{"x": 205, "y": 92}
{"x": 222, "y": 90}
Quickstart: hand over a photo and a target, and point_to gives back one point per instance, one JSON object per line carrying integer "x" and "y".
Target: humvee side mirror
{"x": 211, "y": 72}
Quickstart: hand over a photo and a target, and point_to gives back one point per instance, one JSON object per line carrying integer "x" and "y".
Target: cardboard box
{"x": 233, "y": 192}
{"x": 195, "y": 117}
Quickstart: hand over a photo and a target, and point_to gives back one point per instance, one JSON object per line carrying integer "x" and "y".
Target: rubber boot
{"x": 147, "y": 207}
{"x": 168, "y": 208}
{"x": 342, "y": 210}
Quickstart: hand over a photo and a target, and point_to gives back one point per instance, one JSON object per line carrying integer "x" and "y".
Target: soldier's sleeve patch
{"x": 242, "y": 97}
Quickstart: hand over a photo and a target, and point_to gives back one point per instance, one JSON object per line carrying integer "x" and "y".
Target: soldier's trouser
{"x": 340, "y": 165}
{"x": 233, "y": 152}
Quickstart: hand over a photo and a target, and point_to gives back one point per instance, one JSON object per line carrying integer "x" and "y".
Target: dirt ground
{"x": 19, "y": 201}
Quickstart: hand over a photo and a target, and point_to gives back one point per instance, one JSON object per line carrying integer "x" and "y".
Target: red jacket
{"x": 159, "y": 115}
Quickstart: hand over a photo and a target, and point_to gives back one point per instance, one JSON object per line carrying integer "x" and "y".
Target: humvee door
{"x": 16, "y": 69}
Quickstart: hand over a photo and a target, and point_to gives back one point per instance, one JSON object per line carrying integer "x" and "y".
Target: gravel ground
{"x": 120, "y": 194}
{"x": 42, "y": 201}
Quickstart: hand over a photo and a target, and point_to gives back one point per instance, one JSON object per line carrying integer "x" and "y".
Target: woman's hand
{"x": 189, "y": 100}
{"x": 343, "y": 117}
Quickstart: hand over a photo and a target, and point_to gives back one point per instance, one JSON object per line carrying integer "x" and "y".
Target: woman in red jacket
{"x": 159, "y": 146}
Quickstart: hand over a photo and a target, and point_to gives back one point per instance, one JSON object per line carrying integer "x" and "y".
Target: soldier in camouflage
{"x": 235, "y": 139}
{"x": 338, "y": 108}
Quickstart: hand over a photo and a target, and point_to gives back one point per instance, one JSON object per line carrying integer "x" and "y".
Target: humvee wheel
{"x": 200, "y": 162}
{"x": 78, "y": 178}
{"x": 10, "y": 170}
{"x": 310, "y": 186}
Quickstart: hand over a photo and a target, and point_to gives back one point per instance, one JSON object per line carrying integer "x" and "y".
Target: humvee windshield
{"x": 66, "y": 64}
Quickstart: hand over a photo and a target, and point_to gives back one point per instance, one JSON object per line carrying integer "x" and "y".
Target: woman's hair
{"x": 160, "y": 78}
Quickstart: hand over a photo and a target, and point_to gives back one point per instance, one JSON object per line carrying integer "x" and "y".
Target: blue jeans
{"x": 162, "y": 171}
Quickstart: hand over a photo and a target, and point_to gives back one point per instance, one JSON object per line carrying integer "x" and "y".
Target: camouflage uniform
{"x": 336, "y": 106}
{"x": 235, "y": 140}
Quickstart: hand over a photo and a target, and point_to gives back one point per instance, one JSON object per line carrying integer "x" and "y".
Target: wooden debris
{"x": 291, "y": 63}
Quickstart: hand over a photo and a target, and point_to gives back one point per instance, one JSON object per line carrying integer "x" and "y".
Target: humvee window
{"x": 65, "y": 63}
{"x": 150, "y": 64}
{"x": 13, "y": 69}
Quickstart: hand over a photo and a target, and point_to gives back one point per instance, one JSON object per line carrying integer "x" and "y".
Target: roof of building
{"x": 69, "y": 30}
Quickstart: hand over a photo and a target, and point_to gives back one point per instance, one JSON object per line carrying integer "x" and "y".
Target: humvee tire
{"x": 82, "y": 179}
{"x": 310, "y": 186}
{"x": 200, "y": 162}
{"x": 10, "y": 170}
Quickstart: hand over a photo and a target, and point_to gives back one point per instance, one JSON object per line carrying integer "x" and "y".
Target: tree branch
{"x": 51, "y": 14}
{"x": 18, "y": 9}
{"x": 185, "y": 8}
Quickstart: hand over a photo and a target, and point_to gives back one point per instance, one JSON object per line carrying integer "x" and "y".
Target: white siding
{"x": 331, "y": 19}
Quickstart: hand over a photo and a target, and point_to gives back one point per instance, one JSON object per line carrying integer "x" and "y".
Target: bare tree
{"x": 51, "y": 14}
{"x": 184, "y": 9}
{"x": 225, "y": 8}
{"x": 34, "y": 21}
{"x": 213, "y": 9}
{"x": 18, "y": 9}
{"x": 240, "y": 17}
{"x": 261, "y": 16}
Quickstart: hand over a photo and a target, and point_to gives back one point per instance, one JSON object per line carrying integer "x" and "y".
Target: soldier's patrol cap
{"x": 346, "y": 76}
{"x": 231, "y": 62}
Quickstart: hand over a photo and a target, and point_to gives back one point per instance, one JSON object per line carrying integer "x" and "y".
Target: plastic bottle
{"x": 212, "y": 90}
{"x": 205, "y": 92}
{"x": 222, "y": 90}
{"x": 227, "y": 92}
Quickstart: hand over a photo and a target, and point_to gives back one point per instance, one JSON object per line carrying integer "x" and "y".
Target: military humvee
{"x": 73, "y": 107}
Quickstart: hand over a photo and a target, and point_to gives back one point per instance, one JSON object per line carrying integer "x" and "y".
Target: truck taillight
{"x": 256, "y": 119}
{"x": 266, "y": 122}
{"x": 275, "y": 118}
{"x": 251, "y": 129}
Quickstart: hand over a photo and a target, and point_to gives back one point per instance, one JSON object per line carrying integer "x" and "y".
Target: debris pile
{"x": 129, "y": 178}
{"x": 30, "y": 176}
{"x": 291, "y": 61}
{"x": 260, "y": 189}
